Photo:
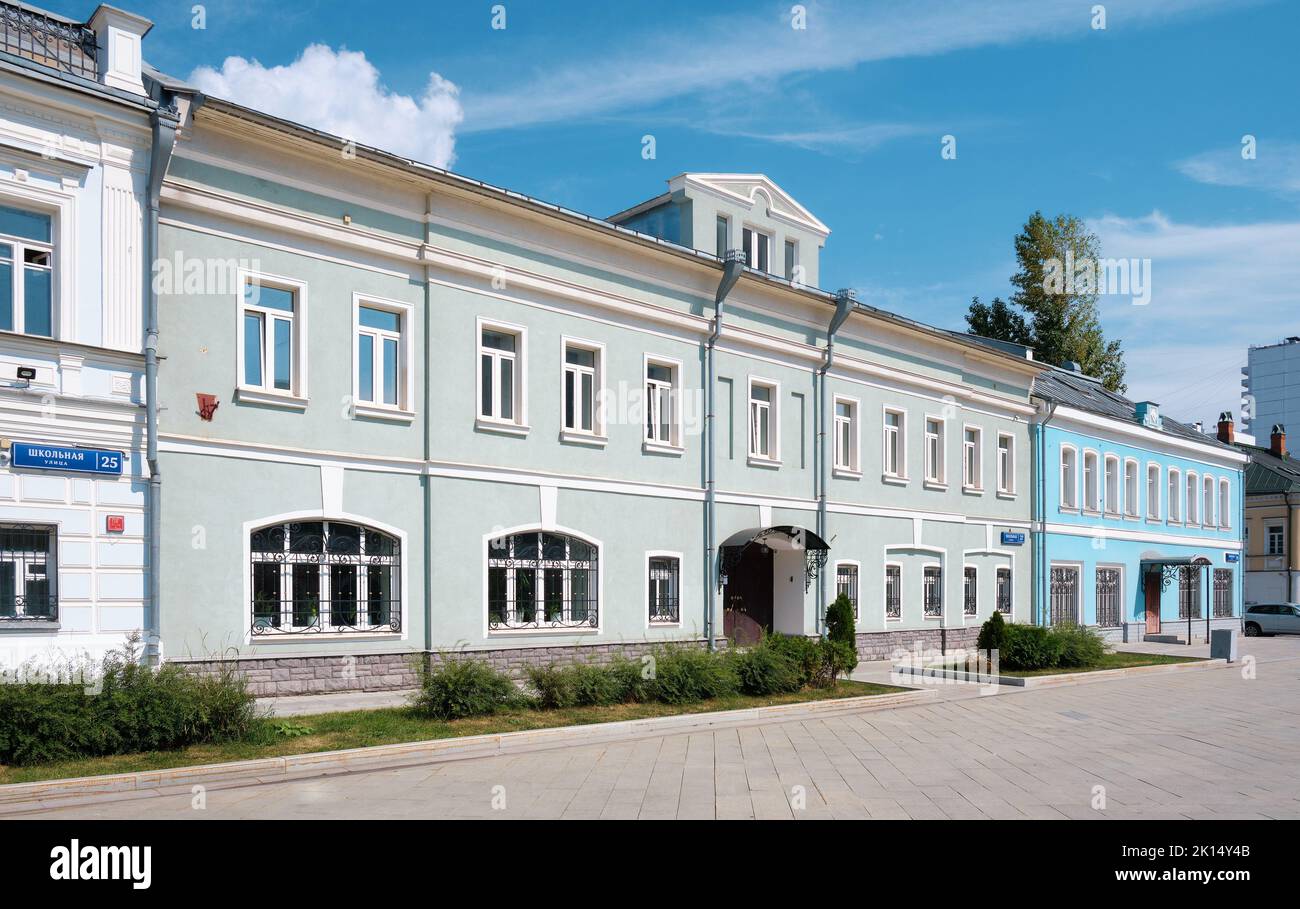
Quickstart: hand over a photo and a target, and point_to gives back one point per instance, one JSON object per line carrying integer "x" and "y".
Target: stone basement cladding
{"x": 280, "y": 676}
{"x": 881, "y": 645}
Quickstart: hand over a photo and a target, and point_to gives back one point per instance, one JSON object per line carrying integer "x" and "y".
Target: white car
{"x": 1271, "y": 618}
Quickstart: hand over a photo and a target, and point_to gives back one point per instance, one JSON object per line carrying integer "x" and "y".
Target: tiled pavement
{"x": 1207, "y": 744}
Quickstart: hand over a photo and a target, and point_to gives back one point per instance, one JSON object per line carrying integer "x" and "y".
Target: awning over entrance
{"x": 1168, "y": 567}
{"x": 785, "y": 537}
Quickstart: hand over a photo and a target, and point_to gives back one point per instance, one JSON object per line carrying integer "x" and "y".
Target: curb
{"x": 32, "y": 797}
{"x": 1060, "y": 679}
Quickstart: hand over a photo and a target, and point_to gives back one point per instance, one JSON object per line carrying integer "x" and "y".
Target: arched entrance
{"x": 753, "y": 603}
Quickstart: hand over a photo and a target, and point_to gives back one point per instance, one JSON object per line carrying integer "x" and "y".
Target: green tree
{"x": 1055, "y": 300}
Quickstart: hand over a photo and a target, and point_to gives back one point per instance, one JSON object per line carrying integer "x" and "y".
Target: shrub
{"x": 764, "y": 670}
{"x": 461, "y": 687}
{"x": 1029, "y": 647}
{"x": 579, "y": 685}
{"x": 805, "y": 655}
{"x": 686, "y": 674}
{"x": 839, "y": 658}
{"x": 632, "y": 678}
{"x": 135, "y": 708}
{"x": 840, "y": 628}
{"x": 993, "y": 633}
{"x": 1080, "y": 646}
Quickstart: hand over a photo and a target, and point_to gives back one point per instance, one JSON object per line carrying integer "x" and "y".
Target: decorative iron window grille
{"x": 1064, "y": 596}
{"x": 542, "y": 580}
{"x": 1108, "y": 597}
{"x": 665, "y": 577}
{"x": 933, "y": 590}
{"x": 1222, "y": 593}
{"x": 970, "y": 592}
{"x": 28, "y": 573}
{"x": 321, "y": 577}
{"x": 893, "y": 592}
{"x": 1189, "y": 592}
{"x": 846, "y": 584}
{"x": 66, "y": 46}
{"x": 1004, "y": 591}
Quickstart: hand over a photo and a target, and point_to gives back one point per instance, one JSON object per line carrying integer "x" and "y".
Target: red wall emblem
{"x": 207, "y": 406}
{"x": 116, "y": 523}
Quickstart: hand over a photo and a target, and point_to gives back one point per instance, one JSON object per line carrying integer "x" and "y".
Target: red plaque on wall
{"x": 115, "y": 523}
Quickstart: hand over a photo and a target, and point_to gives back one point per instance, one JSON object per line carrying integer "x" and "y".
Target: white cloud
{"x": 1275, "y": 167}
{"x": 340, "y": 92}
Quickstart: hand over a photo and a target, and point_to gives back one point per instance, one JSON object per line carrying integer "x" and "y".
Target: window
{"x": 272, "y": 358}
{"x": 932, "y": 589}
{"x": 1175, "y": 500}
{"x": 1091, "y": 499}
{"x": 1131, "y": 493}
{"x": 972, "y": 461}
{"x": 539, "y": 580}
{"x": 893, "y": 592}
{"x": 1189, "y": 592}
{"x": 26, "y": 272}
{"x": 1064, "y": 595}
{"x": 322, "y": 577}
{"x": 1191, "y": 499}
{"x": 894, "y": 454}
{"x": 933, "y": 450}
{"x": 1207, "y": 501}
{"x": 762, "y": 421}
{"x": 846, "y": 434}
{"x": 28, "y": 573}
{"x": 723, "y": 235}
{"x": 1069, "y": 478}
{"x": 661, "y": 424}
{"x": 1277, "y": 540}
{"x": 500, "y": 374}
{"x": 1112, "y": 484}
{"x": 970, "y": 592}
{"x": 383, "y": 378}
{"x": 663, "y": 583}
{"x": 1109, "y": 592}
{"x": 1006, "y": 463}
{"x": 1225, "y": 504}
{"x": 791, "y": 259}
{"x": 1153, "y": 492}
{"x": 1222, "y": 593}
{"x": 582, "y": 381}
{"x": 758, "y": 247}
{"x": 846, "y": 583}
{"x": 1004, "y": 591}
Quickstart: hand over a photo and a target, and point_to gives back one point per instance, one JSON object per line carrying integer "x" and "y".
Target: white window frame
{"x": 295, "y": 397}
{"x": 884, "y": 591}
{"x": 752, "y": 257}
{"x": 1006, "y": 467}
{"x": 1174, "y": 495}
{"x": 857, "y": 570}
{"x": 1112, "y": 489}
{"x": 511, "y": 631}
{"x": 404, "y": 409}
{"x": 1225, "y": 503}
{"x": 899, "y": 435}
{"x": 1192, "y": 489}
{"x": 936, "y": 470}
{"x": 1132, "y": 503}
{"x": 1280, "y": 537}
{"x": 60, "y": 206}
{"x": 595, "y": 435}
{"x": 972, "y": 458}
{"x": 1153, "y": 501}
{"x": 681, "y": 585}
{"x": 847, "y": 462}
{"x": 1209, "y": 500}
{"x": 943, "y": 598}
{"x": 18, "y": 269}
{"x": 1092, "y": 503}
{"x": 1070, "y": 502}
{"x": 794, "y": 267}
{"x": 675, "y": 444}
{"x": 1011, "y": 589}
{"x": 726, "y": 229}
{"x": 975, "y": 615}
{"x": 491, "y": 422}
{"x": 773, "y": 407}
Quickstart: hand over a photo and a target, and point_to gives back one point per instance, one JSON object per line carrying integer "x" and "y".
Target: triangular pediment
{"x": 749, "y": 190}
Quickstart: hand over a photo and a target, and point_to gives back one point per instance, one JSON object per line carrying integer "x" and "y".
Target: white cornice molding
{"x": 1106, "y": 532}
{"x": 1158, "y": 441}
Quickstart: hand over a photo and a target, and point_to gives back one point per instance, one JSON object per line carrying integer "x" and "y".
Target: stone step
{"x": 1162, "y": 638}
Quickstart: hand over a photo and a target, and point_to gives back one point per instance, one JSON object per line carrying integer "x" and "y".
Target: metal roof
{"x": 1268, "y": 473}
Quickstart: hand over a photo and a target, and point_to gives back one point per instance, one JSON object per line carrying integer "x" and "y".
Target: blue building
{"x": 1138, "y": 518}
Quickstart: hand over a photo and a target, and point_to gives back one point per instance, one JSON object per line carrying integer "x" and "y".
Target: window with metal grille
{"x": 1222, "y": 593}
{"x": 324, "y": 576}
{"x": 1108, "y": 597}
{"x": 28, "y": 573}
{"x": 933, "y": 591}
{"x": 893, "y": 592}
{"x": 1189, "y": 593}
{"x": 664, "y": 583}
{"x": 970, "y": 592}
{"x": 1064, "y": 595}
{"x": 1004, "y": 591}
{"x": 542, "y": 580}
{"x": 846, "y": 584}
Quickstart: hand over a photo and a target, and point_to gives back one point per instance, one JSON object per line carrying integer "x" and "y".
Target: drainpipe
{"x": 1039, "y": 511}
{"x": 164, "y": 141}
{"x": 844, "y": 303}
{"x": 427, "y": 548}
{"x": 733, "y": 265}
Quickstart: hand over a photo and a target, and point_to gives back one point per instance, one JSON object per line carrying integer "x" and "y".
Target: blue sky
{"x": 1137, "y": 128}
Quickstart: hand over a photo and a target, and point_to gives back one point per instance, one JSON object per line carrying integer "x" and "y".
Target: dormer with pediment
{"x": 716, "y": 212}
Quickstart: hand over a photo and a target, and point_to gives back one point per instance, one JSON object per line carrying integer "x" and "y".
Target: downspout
{"x": 1039, "y": 511}
{"x": 426, "y": 554}
{"x": 164, "y": 142}
{"x": 844, "y": 303}
{"x": 733, "y": 265}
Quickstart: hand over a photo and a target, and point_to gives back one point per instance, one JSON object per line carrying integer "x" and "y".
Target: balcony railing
{"x": 29, "y": 609}
{"x": 66, "y": 46}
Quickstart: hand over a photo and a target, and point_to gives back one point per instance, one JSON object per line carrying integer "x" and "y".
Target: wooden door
{"x": 747, "y": 597}
{"x": 1152, "y": 587}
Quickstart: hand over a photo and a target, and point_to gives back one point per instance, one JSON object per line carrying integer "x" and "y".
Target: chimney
{"x": 118, "y": 35}
{"x": 1227, "y": 431}
{"x": 1148, "y": 414}
{"x": 1277, "y": 441}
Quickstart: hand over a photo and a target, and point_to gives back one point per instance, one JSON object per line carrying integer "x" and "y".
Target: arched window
{"x": 324, "y": 576}
{"x": 1225, "y": 504}
{"x": 1191, "y": 499}
{"x": 1069, "y": 479}
{"x": 538, "y": 579}
{"x": 1207, "y": 501}
{"x": 1091, "y": 490}
{"x": 1174, "y": 501}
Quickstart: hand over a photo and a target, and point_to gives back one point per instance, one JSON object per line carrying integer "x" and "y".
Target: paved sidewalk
{"x": 1209, "y": 744}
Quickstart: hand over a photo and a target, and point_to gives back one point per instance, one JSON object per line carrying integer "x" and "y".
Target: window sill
{"x": 936, "y": 485}
{"x": 534, "y": 632}
{"x": 1092, "y": 512}
{"x": 1006, "y": 494}
{"x": 27, "y": 626}
{"x": 664, "y": 448}
{"x": 244, "y": 395}
{"x": 1067, "y": 509}
{"x": 846, "y": 473}
{"x": 893, "y": 479}
{"x": 1132, "y": 517}
{"x": 972, "y": 490}
{"x": 483, "y": 424}
{"x": 277, "y": 639}
{"x": 760, "y": 461}
{"x": 375, "y": 412}
{"x": 1112, "y": 515}
{"x": 1174, "y": 523}
{"x": 653, "y": 625}
{"x": 589, "y": 439}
